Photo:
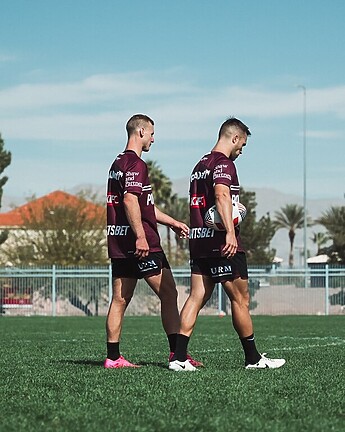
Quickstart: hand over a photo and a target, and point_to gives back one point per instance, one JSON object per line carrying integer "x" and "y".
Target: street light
{"x": 304, "y": 173}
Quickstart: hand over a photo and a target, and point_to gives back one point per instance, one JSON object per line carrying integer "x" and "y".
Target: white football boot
{"x": 266, "y": 363}
{"x": 181, "y": 366}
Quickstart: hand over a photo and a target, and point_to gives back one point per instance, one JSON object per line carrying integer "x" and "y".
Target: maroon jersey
{"x": 129, "y": 173}
{"x": 213, "y": 168}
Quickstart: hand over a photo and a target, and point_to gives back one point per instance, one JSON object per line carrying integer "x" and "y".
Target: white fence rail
{"x": 86, "y": 291}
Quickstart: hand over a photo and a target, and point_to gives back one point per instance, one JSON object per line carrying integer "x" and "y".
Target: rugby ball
{"x": 213, "y": 220}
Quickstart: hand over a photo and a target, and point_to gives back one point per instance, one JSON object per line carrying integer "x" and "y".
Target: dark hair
{"x": 233, "y": 122}
{"x": 137, "y": 121}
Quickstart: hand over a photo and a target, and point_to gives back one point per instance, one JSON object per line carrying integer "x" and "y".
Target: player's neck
{"x": 222, "y": 148}
{"x": 133, "y": 145}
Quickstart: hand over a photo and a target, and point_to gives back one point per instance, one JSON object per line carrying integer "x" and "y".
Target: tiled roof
{"x": 14, "y": 218}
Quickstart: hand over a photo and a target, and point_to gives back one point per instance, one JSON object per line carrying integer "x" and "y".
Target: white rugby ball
{"x": 213, "y": 220}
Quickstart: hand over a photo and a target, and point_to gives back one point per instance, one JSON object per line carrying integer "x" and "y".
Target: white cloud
{"x": 97, "y": 107}
{"x": 74, "y": 127}
{"x": 96, "y": 89}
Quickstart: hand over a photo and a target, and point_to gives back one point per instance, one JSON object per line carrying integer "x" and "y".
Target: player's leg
{"x": 200, "y": 292}
{"x": 123, "y": 289}
{"x": 163, "y": 284}
{"x": 238, "y": 293}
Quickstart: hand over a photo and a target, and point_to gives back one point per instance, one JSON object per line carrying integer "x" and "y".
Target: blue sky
{"x": 73, "y": 72}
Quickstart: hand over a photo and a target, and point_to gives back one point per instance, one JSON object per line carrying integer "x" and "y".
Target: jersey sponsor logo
{"x": 117, "y": 230}
{"x": 147, "y": 265}
{"x": 220, "y": 167}
{"x": 132, "y": 174}
{"x": 133, "y": 183}
{"x": 201, "y": 233}
{"x": 220, "y": 171}
{"x": 221, "y": 270}
{"x": 131, "y": 179}
{"x": 197, "y": 201}
{"x": 113, "y": 200}
{"x": 150, "y": 199}
{"x": 115, "y": 175}
{"x": 221, "y": 175}
{"x": 200, "y": 175}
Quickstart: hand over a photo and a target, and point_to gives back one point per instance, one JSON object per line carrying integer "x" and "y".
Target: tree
{"x": 290, "y": 217}
{"x": 178, "y": 208}
{"x": 256, "y": 235}
{"x": 64, "y": 234}
{"x": 334, "y": 221}
{"x": 161, "y": 185}
{"x": 162, "y": 193}
{"x": 5, "y": 160}
{"x": 71, "y": 234}
{"x": 320, "y": 239}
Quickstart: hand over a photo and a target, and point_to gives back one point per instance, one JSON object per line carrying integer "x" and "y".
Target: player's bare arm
{"x": 180, "y": 228}
{"x": 224, "y": 208}
{"x": 133, "y": 213}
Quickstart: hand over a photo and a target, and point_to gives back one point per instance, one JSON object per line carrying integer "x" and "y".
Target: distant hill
{"x": 268, "y": 200}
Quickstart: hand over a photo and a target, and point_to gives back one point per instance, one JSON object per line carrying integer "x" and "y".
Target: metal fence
{"x": 86, "y": 291}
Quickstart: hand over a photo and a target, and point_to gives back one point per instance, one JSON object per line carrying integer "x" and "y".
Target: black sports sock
{"x": 113, "y": 350}
{"x": 251, "y": 354}
{"x": 172, "y": 341}
{"x": 181, "y": 347}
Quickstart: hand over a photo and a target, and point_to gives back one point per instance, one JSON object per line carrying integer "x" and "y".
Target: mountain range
{"x": 268, "y": 200}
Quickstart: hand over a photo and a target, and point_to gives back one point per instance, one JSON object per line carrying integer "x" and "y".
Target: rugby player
{"x": 218, "y": 256}
{"x": 134, "y": 243}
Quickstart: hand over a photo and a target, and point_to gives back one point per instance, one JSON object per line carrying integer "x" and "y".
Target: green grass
{"x": 52, "y": 379}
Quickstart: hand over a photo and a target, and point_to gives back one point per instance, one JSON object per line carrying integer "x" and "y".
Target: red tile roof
{"x": 14, "y": 218}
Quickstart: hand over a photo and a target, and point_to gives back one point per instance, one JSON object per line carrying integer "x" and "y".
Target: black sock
{"x": 113, "y": 350}
{"x": 251, "y": 354}
{"x": 172, "y": 342}
{"x": 181, "y": 347}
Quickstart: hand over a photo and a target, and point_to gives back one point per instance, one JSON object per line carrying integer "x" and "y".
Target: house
{"x": 14, "y": 219}
{"x": 12, "y": 294}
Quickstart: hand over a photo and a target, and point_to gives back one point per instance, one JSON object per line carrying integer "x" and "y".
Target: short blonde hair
{"x": 137, "y": 121}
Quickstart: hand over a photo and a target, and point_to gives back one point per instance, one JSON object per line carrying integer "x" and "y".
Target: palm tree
{"x": 162, "y": 193}
{"x": 161, "y": 184}
{"x": 320, "y": 239}
{"x": 290, "y": 217}
{"x": 334, "y": 221}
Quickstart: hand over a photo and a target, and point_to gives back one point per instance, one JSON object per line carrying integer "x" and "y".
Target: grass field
{"x": 52, "y": 377}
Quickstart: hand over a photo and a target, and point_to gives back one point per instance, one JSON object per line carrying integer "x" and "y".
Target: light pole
{"x": 304, "y": 173}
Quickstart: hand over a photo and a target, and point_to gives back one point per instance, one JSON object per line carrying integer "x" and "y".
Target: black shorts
{"x": 221, "y": 269}
{"x": 139, "y": 268}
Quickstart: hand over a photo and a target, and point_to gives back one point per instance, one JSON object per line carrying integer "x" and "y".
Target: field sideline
{"x": 52, "y": 377}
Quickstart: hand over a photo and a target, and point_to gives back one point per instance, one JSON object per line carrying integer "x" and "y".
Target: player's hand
{"x": 142, "y": 248}
{"x": 230, "y": 247}
{"x": 181, "y": 229}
